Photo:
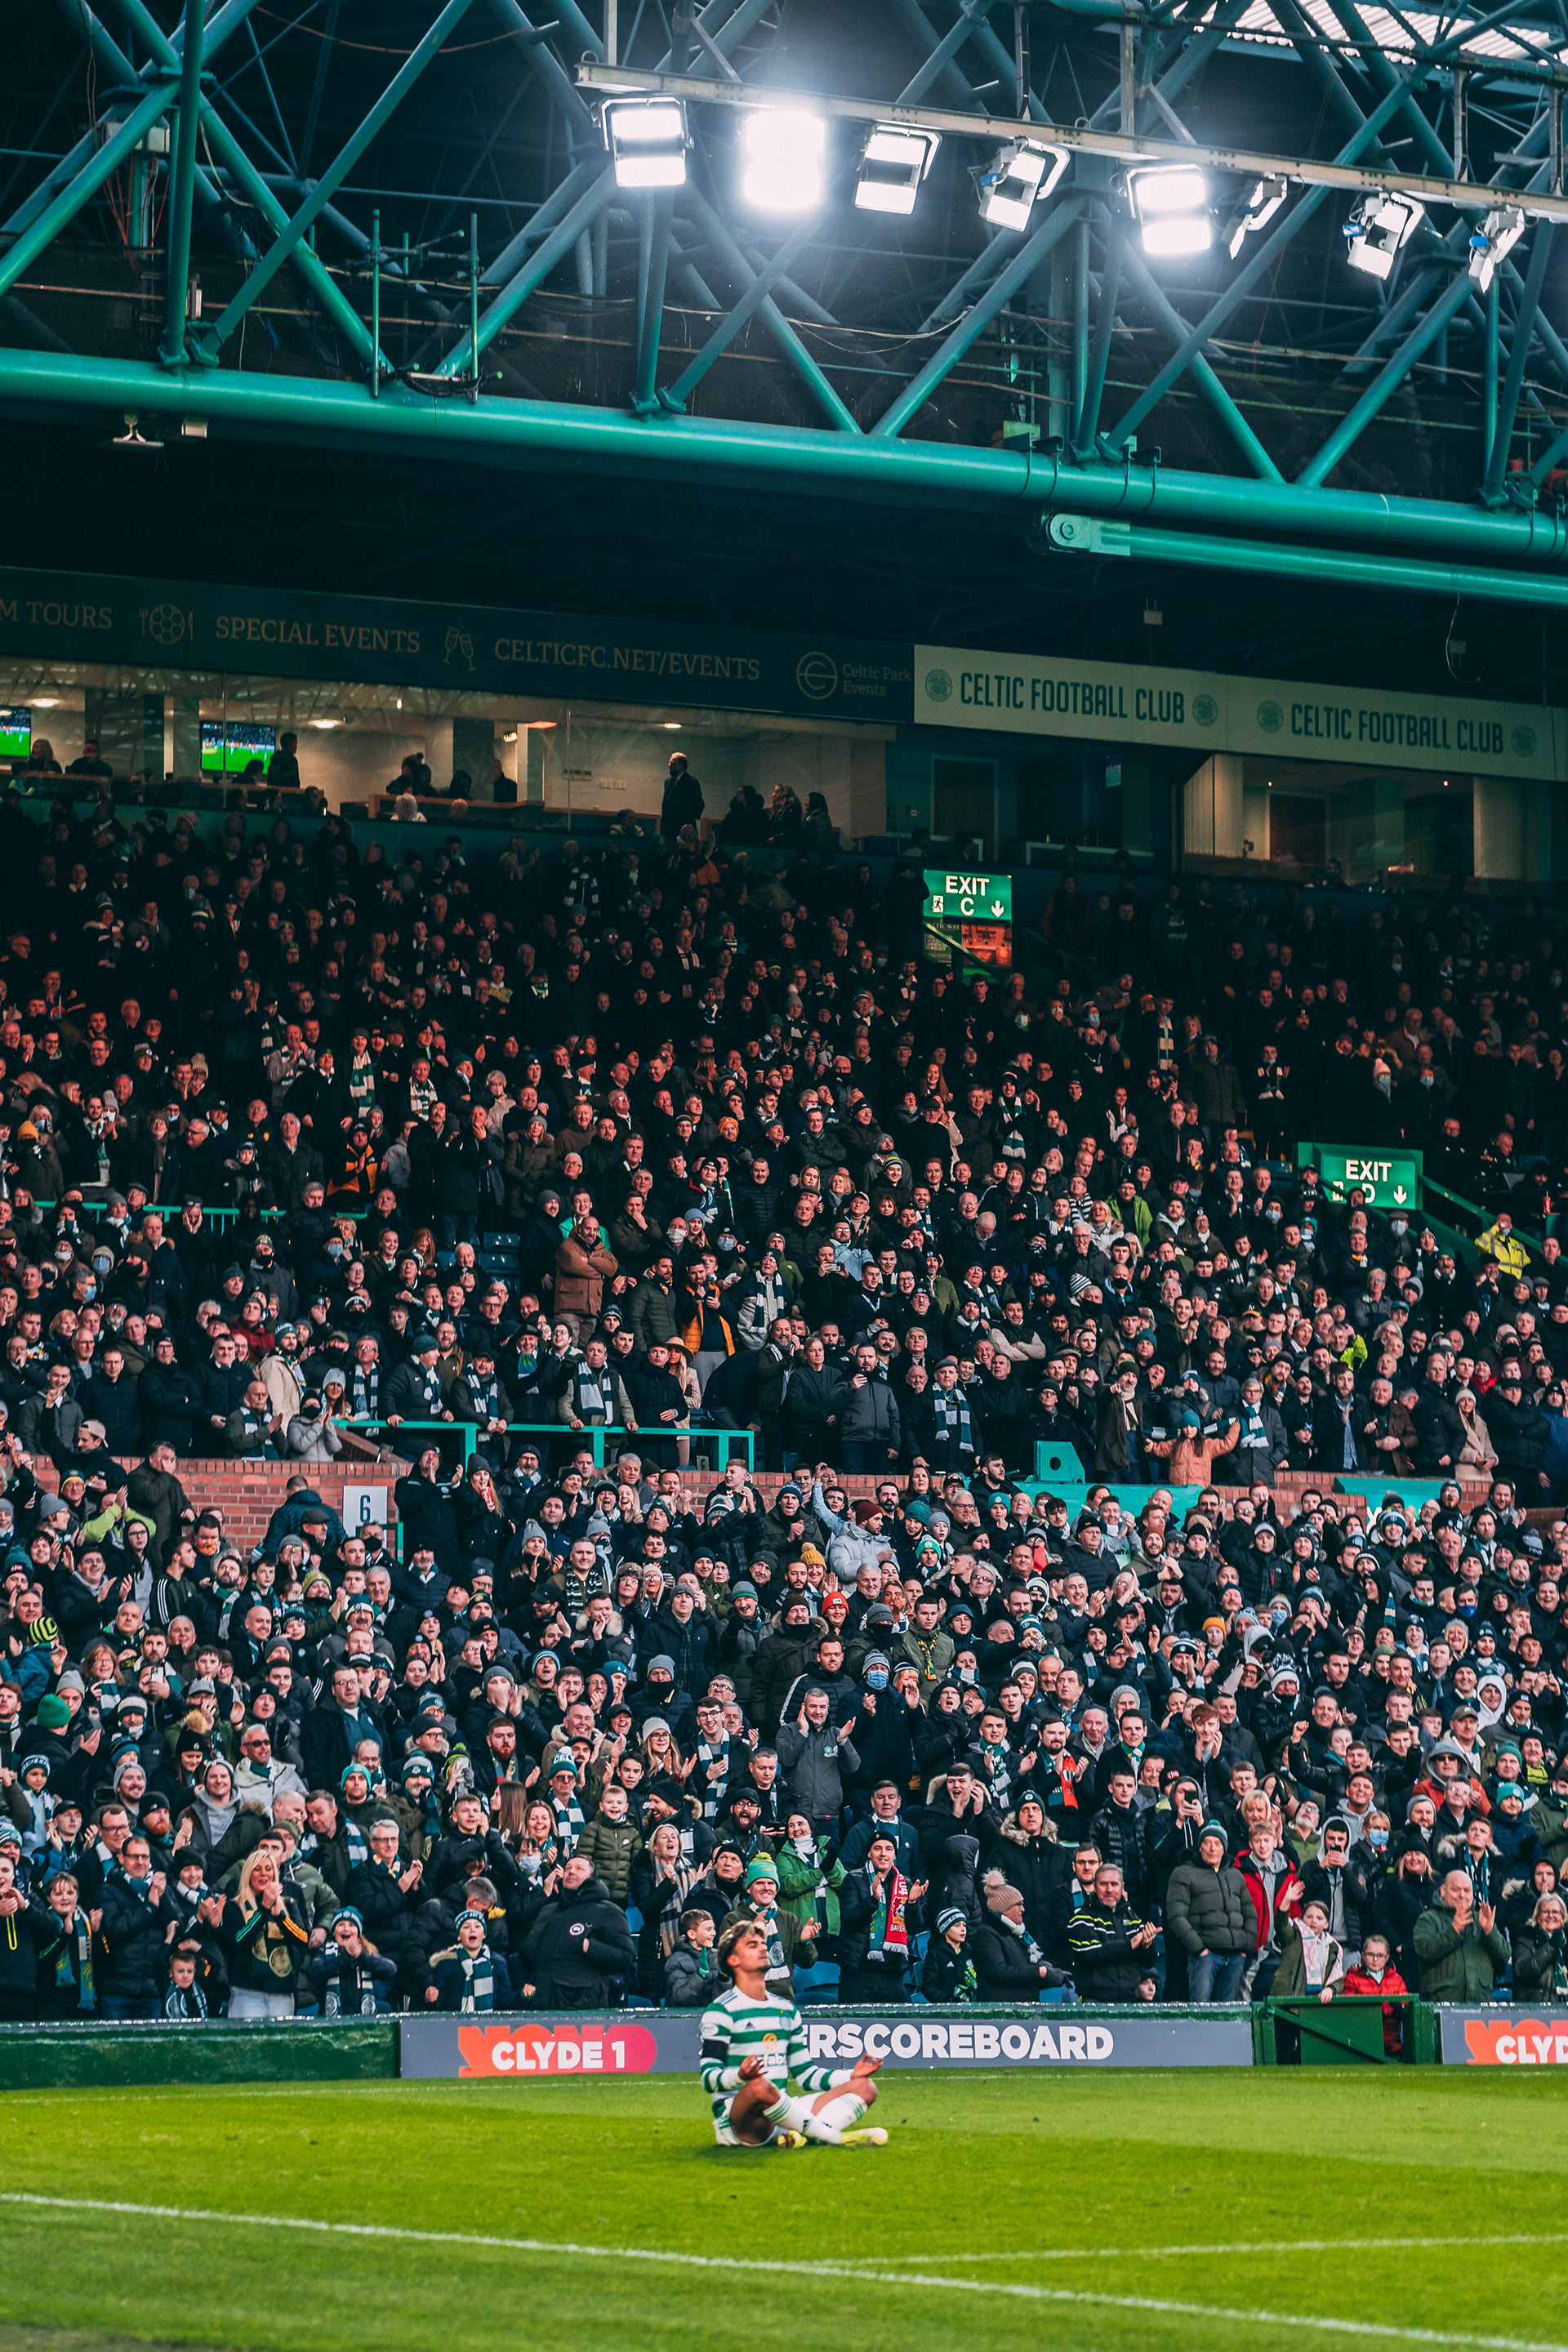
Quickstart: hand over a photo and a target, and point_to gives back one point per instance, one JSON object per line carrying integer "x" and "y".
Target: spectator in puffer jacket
{"x": 690, "y": 1970}
{"x": 1209, "y": 1912}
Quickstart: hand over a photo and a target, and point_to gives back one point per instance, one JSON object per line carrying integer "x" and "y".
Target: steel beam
{"x": 653, "y": 269}
{"x": 42, "y": 230}
{"x": 555, "y": 207}
{"x": 1385, "y": 383}
{"x": 337, "y": 172}
{"x": 925, "y": 36}
{"x": 1343, "y": 172}
{"x": 180, "y": 194}
{"x": 738, "y": 21}
{"x": 1175, "y": 330}
{"x": 756, "y": 301}
{"x": 544, "y": 62}
{"x": 1380, "y": 573}
{"x": 1104, "y": 329}
{"x": 952, "y": 41}
{"x": 594, "y": 199}
{"x": 544, "y": 435}
{"x": 227, "y": 152}
{"x": 1250, "y": 274}
{"x": 1488, "y": 380}
{"x": 1524, "y": 319}
{"x": 984, "y": 267}
{"x": 973, "y": 325}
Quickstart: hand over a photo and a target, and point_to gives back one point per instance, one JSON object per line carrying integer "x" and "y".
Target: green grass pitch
{"x": 1113, "y": 2212}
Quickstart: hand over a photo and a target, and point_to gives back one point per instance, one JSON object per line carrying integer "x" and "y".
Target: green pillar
{"x": 1388, "y": 822}
{"x": 474, "y": 751}
{"x": 127, "y": 729}
{"x": 1502, "y": 835}
{"x": 187, "y": 747}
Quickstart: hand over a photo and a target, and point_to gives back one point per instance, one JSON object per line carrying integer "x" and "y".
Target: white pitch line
{"x": 1246, "y": 2246}
{"x": 737, "y": 2263}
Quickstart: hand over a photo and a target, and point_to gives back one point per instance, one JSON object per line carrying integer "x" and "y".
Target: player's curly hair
{"x": 730, "y": 1936}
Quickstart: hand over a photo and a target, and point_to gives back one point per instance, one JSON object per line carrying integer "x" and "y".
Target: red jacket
{"x": 1389, "y": 1984}
{"x": 1252, "y": 1878}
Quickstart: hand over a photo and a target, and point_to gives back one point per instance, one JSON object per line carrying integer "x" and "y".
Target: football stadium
{"x": 783, "y": 1518}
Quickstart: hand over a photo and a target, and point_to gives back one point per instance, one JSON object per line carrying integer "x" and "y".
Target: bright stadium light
{"x": 1170, "y": 205}
{"x": 1376, "y": 229}
{"x": 1016, "y": 180}
{"x": 1253, "y": 210}
{"x": 891, "y": 169}
{"x": 784, "y": 153}
{"x": 647, "y": 141}
{"x": 1498, "y": 235}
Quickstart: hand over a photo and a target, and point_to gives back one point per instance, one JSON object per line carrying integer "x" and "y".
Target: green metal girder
{"x": 755, "y": 299}
{"x": 908, "y": 403}
{"x": 593, "y": 201}
{"x": 188, "y": 126}
{"x": 100, "y": 166}
{"x": 1344, "y": 567}
{"x": 1175, "y": 327}
{"x": 284, "y": 246}
{"x": 1030, "y": 483}
{"x": 1387, "y": 382}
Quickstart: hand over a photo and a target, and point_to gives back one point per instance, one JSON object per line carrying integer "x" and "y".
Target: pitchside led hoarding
{"x": 530, "y": 2048}
{"x": 1504, "y": 2037}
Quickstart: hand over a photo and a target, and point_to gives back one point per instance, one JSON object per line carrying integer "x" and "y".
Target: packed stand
{"x": 556, "y": 1178}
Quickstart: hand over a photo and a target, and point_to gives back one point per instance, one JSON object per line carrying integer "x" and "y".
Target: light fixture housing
{"x": 1377, "y": 229}
{"x": 1016, "y": 178}
{"x": 1496, "y": 236}
{"x": 647, "y": 141}
{"x": 895, "y": 163}
{"x": 1254, "y": 208}
{"x": 783, "y": 156}
{"x": 1170, "y": 205}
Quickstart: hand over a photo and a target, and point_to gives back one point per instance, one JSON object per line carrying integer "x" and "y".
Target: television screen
{"x": 16, "y": 734}
{"x": 228, "y": 749}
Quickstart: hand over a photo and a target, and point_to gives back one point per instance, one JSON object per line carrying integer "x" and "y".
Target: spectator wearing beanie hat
{"x": 1008, "y": 1964}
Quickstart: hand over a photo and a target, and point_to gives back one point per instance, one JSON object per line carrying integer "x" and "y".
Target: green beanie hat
{"x": 761, "y": 1868}
{"x": 54, "y": 1715}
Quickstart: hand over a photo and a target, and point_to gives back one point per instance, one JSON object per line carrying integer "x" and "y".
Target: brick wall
{"x": 249, "y": 1493}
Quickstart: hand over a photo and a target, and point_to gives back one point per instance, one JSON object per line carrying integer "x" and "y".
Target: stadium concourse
{"x": 532, "y": 1188}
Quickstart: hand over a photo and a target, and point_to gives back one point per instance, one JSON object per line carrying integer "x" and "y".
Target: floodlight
{"x": 895, "y": 163}
{"x": 1259, "y": 204}
{"x": 1170, "y": 205}
{"x": 1498, "y": 235}
{"x": 784, "y": 152}
{"x": 646, "y": 138}
{"x": 1016, "y": 178}
{"x": 1376, "y": 229}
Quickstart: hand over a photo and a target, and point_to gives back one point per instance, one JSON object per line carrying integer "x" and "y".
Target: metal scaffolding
{"x": 1261, "y": 406}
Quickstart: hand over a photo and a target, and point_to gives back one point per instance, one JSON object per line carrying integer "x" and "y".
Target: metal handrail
{"x": 591, "y": 1434}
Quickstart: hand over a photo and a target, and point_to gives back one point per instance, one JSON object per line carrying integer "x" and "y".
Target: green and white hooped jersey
{"x": 737, "y": 2027}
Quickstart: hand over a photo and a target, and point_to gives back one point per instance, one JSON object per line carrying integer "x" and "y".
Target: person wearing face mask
{"x": 883, "y": 1732}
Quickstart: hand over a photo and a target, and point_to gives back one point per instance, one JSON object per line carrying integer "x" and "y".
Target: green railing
{"x": 1344, "y": 2032}
{"x": 592, "y": 1435}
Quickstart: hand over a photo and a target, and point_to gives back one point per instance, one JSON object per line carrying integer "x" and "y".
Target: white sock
{"x": 840, "y": 2114}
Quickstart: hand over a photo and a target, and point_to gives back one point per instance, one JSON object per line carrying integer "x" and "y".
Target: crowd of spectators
{"x": 555, "y": 1174}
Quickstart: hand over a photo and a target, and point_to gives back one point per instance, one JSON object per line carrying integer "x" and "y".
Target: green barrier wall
{"x": 82, "y": 2057}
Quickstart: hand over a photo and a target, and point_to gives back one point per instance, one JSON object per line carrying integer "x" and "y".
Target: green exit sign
{"x": 968, "y": 898}
{"x": 1385, "y": 1180}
